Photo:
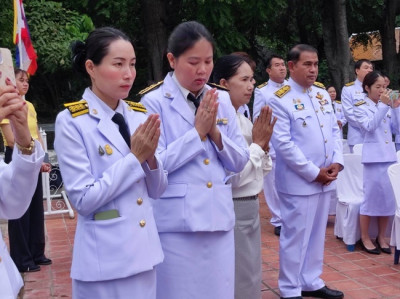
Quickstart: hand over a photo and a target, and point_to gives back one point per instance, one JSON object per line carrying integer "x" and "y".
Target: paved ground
{"x": 358, "y": 274}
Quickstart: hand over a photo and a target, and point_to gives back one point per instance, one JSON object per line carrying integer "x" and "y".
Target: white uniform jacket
{"x": 337, "y": 104}
{"x": 198, "y": 197}
{"x": 306, "y": 137}
{"x": 101, "y": 174}
{"x": 262, "y": 95}
{"x": 378, "y": 122}
{"x": 351, "y": 94}
{"x": 18, "y": 183}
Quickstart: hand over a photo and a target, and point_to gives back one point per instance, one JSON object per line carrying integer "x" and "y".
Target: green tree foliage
{"x": 53, "y": 28}
{"x": 253, "y": 26}
{"x": 360, "y": 12}
{"x": 6, "y": 23}
{"x": 121, "y": 14}
{"x": 364, "y": 15}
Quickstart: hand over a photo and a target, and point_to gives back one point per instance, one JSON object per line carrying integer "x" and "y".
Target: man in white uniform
{"x": 308, "y": 159}
{"x": 18, "y": 181}
{"x": 352, "y": 93}
{"x": 277, "y": 72}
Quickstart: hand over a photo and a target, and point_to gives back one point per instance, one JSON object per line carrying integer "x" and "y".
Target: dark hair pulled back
{"x": 370, "y": 79}
{"x": 185, "y": 35}
{"x": 95, "y": 47}
{"x": 226, "y": 67}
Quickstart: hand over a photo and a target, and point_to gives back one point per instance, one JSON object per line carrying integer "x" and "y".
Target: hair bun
{"x": 78, "y": 49}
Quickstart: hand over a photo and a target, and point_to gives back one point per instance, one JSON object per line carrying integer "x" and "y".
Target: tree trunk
{"x": 388, "y": 40}
{"x": 155, "y": 30}
{"x": 297, "y": 6}
{"x": 336, "y": 43}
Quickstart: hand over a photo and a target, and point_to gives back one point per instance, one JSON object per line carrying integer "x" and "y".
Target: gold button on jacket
{"x": 142, "y": 223}
{"x": 139, "y": 201}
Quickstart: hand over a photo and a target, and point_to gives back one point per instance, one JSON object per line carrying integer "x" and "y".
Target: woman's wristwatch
{"x": 27, "y": 150}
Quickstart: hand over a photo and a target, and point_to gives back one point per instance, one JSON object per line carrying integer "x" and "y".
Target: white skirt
{"x": 142, "y": 285}
{"x": 378, "y": 193}
{"x": 196, "y": 265}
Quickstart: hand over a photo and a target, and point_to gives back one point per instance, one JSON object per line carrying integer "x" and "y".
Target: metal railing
{"x": 56, "y": 198}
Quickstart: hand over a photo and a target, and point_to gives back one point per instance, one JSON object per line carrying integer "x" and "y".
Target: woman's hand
{"x": 385, "y": 97}
{"x": 10, "y": 101}
{"x": 263, "y": 128}
{"x": 144, "y": 141}
{"x": 13, "y": 107}
{"x": 205, "y": 118}
{"x": 46, "y": 167}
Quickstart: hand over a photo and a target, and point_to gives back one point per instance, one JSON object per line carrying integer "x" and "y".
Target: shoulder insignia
{"x": 150, "y": 88}
{"x": 136, "y": 106}
{"x": 349, "y": 84}
{"x": 282, "y": 91}
{"x": 77, "y": 108}
{"x": 217, "y": 86}
{"x": 359, "y": 103}
{"x": 338, "y": 101}
{"x": 262, "y": 85}
{"x": 319, "y": 84}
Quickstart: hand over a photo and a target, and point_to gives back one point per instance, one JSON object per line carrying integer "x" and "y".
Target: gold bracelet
{"x": 27, "y": 150}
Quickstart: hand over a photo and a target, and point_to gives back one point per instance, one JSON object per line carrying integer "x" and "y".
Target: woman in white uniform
{"x": 200, "y": 142}
{"x": 18, "y": 178}
{"x": 378, "y": 119}
{"x": 337, "y": 105}
{"x": 110, "y": 174}
{"x": 234, "y": 73}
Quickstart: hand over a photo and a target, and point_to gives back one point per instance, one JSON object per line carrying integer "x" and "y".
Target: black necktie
{"x": 196, "y": 101}
{"x": 123, "y": 128}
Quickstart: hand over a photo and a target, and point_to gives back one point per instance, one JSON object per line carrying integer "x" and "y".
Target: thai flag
{"x": 25, "y": 54}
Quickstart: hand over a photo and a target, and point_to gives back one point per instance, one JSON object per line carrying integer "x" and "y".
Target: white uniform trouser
{"x": 304, "y": 220}
{"x": 271, "y": 196}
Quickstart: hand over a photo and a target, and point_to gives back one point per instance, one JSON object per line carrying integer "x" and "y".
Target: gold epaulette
{"x": 338, "y": 101}
{"x": 77, "y": 108}
{"x": 319, "y": 84}
{"x": 282, "y": 91}
{"x": 149, "y": 88}
{"x": 359, "y": 103}
{"x": 349, "y": 84}
{"x": 217, "y": 86}
{"x": 136, "y": 106}
{"x": 262, "y": 85}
